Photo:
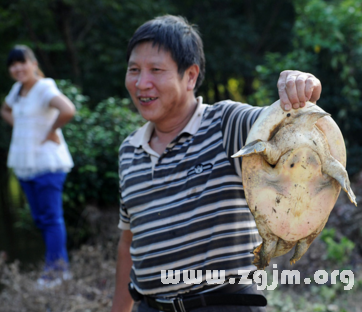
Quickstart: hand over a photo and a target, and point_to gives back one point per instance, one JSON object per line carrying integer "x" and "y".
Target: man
{"x": 182, "y": 201}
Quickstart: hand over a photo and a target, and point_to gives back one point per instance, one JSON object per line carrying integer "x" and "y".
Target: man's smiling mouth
{"x": 147, "y": 99}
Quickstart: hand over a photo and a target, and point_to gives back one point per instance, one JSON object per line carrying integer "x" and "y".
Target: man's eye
{"x": 156, "y": 69}
{"x": 133, "y": 69}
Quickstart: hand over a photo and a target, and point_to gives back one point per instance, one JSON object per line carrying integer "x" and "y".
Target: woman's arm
{"x": 6, "y": 114}
{"x": 66, "y": 112}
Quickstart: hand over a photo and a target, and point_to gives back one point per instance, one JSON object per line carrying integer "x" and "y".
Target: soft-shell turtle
{"x": 293, "y": 169}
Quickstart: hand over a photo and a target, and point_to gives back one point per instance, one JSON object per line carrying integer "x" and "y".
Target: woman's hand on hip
{"x": 52, "y": 136}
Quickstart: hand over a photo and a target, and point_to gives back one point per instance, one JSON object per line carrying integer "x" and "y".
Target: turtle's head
{"x": 310, "y": 115}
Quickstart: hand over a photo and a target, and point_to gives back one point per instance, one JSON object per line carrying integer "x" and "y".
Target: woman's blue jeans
{"x": 44, "y": 195}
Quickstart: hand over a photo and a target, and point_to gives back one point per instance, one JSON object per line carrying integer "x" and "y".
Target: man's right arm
{"x": 122, "y": 301}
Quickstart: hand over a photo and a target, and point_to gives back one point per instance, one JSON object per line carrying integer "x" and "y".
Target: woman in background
{"x": 38, "y": 153}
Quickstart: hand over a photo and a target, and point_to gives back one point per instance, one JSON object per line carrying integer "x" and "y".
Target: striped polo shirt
{"x": 186, "y": 208}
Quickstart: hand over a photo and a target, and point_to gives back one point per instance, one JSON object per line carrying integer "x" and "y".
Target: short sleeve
{"x": 123, "y": 217}
{"x": 11, "y": 98}
{"x": 49, "y": 91}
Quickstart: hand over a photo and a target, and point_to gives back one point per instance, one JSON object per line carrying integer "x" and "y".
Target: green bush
{"x": 94, "y": 137}
{"x": 324, "y": 37}
{"x": 337, "y": 252}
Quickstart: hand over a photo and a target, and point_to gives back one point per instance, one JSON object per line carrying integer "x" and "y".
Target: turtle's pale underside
{"x": 293, "y": 169}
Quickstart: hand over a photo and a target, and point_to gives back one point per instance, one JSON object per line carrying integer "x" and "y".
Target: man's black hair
{"x": 175, "y": 35}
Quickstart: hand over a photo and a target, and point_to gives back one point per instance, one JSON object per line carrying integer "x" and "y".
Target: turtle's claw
{"x": 260, "y": 261}
{"x": 347, "y": 188}
{"x": 256, "y": 253}
{"x": 351, "y": 196}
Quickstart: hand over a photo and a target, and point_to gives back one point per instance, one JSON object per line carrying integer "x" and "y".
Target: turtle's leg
{"x": 334, "y": 168}
{"x": 268, "y": 151}
{"x": 265, "y": 251}
{"x": 283, "y": 247}
{"x": 300, "y": 249}
{"x": 255, "y": 147}
{"x": 304, "y": 243}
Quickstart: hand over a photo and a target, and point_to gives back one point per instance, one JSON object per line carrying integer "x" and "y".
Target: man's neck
{"x": 163, "y": 134}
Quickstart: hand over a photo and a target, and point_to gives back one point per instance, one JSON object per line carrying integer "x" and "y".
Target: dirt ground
{"x": 92, "y": 286}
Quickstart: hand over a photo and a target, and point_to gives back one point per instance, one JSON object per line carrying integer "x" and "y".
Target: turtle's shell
{"x": 288, "y": 194}
{"x": 291, "y": 199}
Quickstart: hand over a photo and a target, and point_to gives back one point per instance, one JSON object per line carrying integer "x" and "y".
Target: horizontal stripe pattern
{"x": 189, "y": 211}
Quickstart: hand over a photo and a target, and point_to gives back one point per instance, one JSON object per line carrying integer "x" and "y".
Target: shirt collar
{"x": 143, "y": 134}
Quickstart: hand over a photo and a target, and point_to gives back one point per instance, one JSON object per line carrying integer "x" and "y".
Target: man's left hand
{"x": 296, "y": 88}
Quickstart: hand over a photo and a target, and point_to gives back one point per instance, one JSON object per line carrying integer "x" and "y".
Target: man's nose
{"x": 143, "y": 81}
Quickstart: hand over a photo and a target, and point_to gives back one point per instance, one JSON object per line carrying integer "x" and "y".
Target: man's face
{"x": 153, "y": 82}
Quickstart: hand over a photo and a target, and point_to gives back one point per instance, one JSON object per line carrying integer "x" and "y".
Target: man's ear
{"x": 192, "y": 73}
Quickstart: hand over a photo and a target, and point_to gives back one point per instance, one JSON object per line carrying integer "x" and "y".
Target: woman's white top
{"x": 33, "y": 119}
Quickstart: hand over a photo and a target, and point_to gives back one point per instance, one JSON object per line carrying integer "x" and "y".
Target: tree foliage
{"x": 327, "y": 37}
{"x": 236, "y": 36}
{"x": 84, "y": 41}
{"x": 247, "y": 44}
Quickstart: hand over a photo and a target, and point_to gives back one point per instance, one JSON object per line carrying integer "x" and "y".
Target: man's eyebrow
{"x": 156, "y": 64}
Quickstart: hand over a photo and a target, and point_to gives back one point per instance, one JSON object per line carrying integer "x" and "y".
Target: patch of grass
{"x": 317, "y": 298}
{"x": 338, "y": 251}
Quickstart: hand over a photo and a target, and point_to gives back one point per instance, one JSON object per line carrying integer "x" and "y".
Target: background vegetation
{"x": 247, "y": 43}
